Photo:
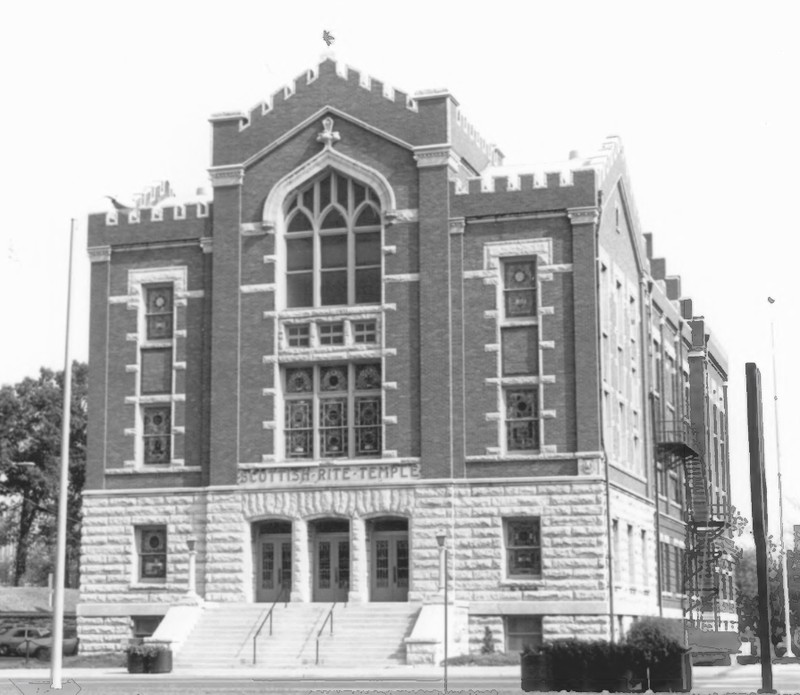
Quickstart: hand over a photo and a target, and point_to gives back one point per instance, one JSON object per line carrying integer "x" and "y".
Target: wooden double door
{"x": 331, "y": 567}
{"x": 389, "y": 566}
{"x": 274, "y": 566}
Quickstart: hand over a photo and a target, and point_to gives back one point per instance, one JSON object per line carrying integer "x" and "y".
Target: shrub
{"x": 493, "y": 659}
{"x": 656, "y": 639}
{"x": 488, "y": 641}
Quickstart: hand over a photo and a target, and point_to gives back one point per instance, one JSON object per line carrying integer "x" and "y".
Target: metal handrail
{"x": 319, "y": 634}
{"x": 283, "y": 592}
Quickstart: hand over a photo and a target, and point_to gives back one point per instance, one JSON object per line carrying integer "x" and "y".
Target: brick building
{"x": 372, "y": 334}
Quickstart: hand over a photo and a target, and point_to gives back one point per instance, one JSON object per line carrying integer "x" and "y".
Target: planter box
{"x": 135, "y": 663}
{"x": 160, "y": 662}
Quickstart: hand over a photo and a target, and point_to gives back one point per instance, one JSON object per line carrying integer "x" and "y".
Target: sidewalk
{"x": 427, "y": 673}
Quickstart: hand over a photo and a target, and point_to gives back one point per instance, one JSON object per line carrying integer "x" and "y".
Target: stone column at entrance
{"x": 301, "y": 576}
{"x": 359, "y": 591}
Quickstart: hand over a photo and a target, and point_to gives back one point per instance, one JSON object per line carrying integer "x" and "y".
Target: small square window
{"x": 365, "y": 332}
{"x": 331, "y": 334}
{"x": 523, "y": 547}
{"x": 523, "y": 632}
{"x": 298, "y": 335}
{"x": 152, "y": 542}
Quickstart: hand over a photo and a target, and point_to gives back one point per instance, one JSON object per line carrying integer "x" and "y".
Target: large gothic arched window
{"x": 333, "y": 243}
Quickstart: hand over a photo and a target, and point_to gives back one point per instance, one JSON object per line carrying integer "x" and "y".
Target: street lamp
{"x": 440, "y": 539}
{"x": 191, "y": 541}
{"x": 787, "y": 639}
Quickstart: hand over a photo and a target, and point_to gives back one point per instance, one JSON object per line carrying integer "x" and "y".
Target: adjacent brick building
{"x": 374, "y": 333}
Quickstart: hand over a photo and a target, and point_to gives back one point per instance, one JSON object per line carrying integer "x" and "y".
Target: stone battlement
{"x": 174, "y": 212}
{"x": 309, "y": 76}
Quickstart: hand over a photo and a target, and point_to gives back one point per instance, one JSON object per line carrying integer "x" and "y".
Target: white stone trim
{"x": 389, "y": 386}
{"x": 389, "y": 250}
{"x": 390, "y": 419}
{"x": 495, "y": 251}
{"x": 119, "y": 299}
{"x": 207, "y": 244}
{"x": 268, "y": 425}
{"x": 479, "y": 275}
{"x": 254, "y": 289}
{"x": 226, "y": 175}
{"x": 402, "y": 277}
{"x": 405, "y": 215}
{"x": 176, "y": 466}
{"x": 99, "y": 254}
{"x": 269, "y": 258}
{"x": 131, "y": 368}
{"x": 436, "y": 156}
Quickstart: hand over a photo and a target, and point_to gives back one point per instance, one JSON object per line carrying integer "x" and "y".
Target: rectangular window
{"x": 523, "y": 547}
{"x": 523, "y": 632}
{"x": 365, "y": 332}
{"x": 152, "y": 546}
{"x": 520, "y": 350}
{"x": 522, "y": 424}
{"x": 331, "y": 333}
{"x": 145, "y": 626}
{"x": 159, "y": 311}
{"x": 631, "y": 557}
{"x": 664, "y": 566}
{"x": 298, "y": 335}
{"x": 645, "y": 563}
{"x": 615, "y": 549}
{"x": 156, "y": 374}
{"x": 157, "y": 433}
{"x": 520, "y": 288}
{"x": 333, "y": 411}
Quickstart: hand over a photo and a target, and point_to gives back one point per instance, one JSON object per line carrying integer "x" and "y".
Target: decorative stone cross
{"x": 328, "y": 136}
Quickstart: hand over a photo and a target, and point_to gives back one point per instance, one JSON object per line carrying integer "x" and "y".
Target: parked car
{"x": 11, "y": 638}
{"x": 40, "y": 647}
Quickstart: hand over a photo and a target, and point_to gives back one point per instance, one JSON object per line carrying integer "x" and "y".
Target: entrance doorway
{"x": 390, "y": 559}
{"x": 274, "y": 560}
{"x": 331, "y": 560}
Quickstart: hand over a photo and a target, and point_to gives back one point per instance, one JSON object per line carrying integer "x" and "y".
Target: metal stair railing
{"x": 319, "y": 633}
{"x": 283, "y": 593}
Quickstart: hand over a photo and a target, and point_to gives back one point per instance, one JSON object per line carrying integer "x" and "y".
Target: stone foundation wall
{"x": 104, "y": 634}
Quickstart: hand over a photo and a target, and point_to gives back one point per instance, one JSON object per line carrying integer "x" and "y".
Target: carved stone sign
{"x": 329, "y": 475}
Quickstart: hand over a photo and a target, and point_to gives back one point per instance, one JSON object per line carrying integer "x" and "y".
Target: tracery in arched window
{"x": 333, "y": 243}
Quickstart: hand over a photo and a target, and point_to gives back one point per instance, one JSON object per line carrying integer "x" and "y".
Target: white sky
{"x": 107, "y": 97}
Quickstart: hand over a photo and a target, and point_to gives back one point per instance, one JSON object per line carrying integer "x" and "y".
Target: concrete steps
{"x": 363, "y": 635}
{"x": 369, "y": 634}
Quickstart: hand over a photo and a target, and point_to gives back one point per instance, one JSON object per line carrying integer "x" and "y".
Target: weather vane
{"x": 327, "y": 37}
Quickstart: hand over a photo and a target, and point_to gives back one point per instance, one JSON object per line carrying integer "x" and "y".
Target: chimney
{"x": 648, "y": 243}
{"x": 658, "y": 268}
{"x": 673, "y": 287}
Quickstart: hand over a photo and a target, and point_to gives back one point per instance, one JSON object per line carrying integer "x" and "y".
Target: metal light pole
{"x": 190, "y": 544}
{"x": 787, "y": 639}
{"x": 61, "y": 547}
{"x": 440, "y": 539}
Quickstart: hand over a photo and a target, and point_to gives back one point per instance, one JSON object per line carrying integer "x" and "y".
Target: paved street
{"x": 505, "y": 681}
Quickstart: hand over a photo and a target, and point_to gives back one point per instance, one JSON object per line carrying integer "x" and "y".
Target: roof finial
{"x": 328, "y": 135}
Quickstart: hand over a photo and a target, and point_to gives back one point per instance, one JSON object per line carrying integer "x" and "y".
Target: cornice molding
{"x": 207, "y": 244}
{"x": 456, "y": 225}
{"x": 99, "y": 254}
{"x": 228, "y": 175}
{"x": 586, "y": 215}
{"x": 428, "y": 156}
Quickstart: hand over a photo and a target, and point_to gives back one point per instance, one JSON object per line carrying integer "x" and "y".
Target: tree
{"x": 747, "y": 599}
{"x": 30, "y": 431}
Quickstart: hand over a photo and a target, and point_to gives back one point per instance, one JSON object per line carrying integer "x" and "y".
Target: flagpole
{"x": 56, "y": 655}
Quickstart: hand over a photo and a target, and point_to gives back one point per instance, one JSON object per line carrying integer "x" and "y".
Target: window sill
{"x": 519, "y": 584}
{"x": 155, "y": 586}
{"x": 154, "y": 469}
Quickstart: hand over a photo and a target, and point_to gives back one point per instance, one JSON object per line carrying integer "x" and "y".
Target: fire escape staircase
{"x": 706, "y": 522}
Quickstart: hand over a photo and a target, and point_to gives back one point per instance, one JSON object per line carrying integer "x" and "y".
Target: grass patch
{"x": 494, "y": 659}
{"x": 107, "y": 660}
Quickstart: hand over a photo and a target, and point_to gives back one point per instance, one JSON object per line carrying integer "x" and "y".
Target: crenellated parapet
{"x": 158, "y": 216}
{"x": 308, "y": 77}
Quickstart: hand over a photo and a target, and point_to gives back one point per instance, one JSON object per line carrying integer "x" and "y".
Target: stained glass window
{"x": 333, "y": 411}
{"x": 522, "y": 432}
{"x": 333, "y": 244}
{"x": 520, "y": 288}
{"x": 152, "y": 541}
{"x": 158, "y": 314}
{"x": 523, "y": 547}
{"x": 157, "y": 433}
